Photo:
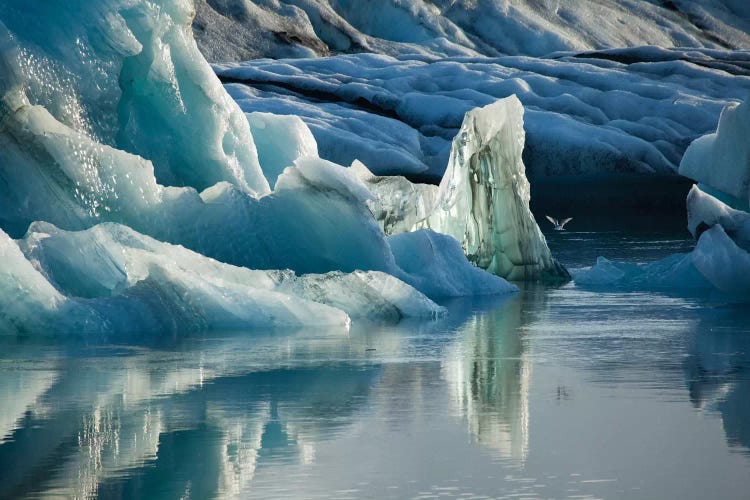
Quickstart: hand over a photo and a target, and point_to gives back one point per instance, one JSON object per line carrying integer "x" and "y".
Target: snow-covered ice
{"x": 721, "y": 160}
{"x": 247, "y": 29}
{"x": 608, "y": 112}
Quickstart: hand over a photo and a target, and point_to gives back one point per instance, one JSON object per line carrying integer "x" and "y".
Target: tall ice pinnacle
{"x": 483, "y": 199}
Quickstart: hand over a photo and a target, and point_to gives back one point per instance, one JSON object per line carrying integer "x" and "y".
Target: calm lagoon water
{"x": 555, "y": 392}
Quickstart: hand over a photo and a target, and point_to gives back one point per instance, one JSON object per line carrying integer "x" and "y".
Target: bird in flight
{"x": 559, "y": 224}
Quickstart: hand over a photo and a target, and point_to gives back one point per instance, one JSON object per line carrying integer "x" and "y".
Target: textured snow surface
{"x": 617, "y": 111}
{"x": 235, "y": 30}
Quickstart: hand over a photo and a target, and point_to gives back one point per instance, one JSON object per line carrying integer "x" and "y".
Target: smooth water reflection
{"x": 555, "y": 392}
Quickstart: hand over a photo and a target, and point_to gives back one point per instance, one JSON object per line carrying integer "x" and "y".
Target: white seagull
{"x": 559, "y": 224}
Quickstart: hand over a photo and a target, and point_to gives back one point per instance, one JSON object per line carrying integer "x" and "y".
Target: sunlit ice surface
{"x": 553, "y": 392}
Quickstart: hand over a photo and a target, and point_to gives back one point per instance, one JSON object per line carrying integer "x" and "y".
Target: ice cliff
{"x": 141, "y": 199}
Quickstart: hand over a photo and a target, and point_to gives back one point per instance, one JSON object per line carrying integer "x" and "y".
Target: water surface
{"x": 555, "y": 392}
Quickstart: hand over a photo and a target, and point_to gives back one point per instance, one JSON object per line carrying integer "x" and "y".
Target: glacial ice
{"x": 280, "y": 141}
{"x": 676, "y": 272}
{"x": 296, "y": 227}
{"x": 435, "y": 264}
{"x": 716, "y": 265}
{"x": 720, "y": 261}
{"x": 232, "y": 30}
{"x": 605, "y": 113}
{"x": 118, "y": 280}
{"x": 398, "y": 205}
{"x": 150, "y": 155}
{"x": 483, "y": 199}
{"x": 129, "y": 74}
{"x": 705, "y": 211}
{"x": 722, "y": 160}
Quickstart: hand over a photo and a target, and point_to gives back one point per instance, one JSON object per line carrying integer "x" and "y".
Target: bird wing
{"x": 565, "y": 221}
{"x": 552, "y": 220}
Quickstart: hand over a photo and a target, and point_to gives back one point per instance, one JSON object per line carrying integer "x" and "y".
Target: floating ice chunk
{"x": 705, "y": 211}
{"x": 135, "y": 282}
{"x": 722, "y": 262}
{"x": 483, "y": 200}
{"x": 435, "y": 264}
{"x": 280, "y": 140}
{"x": 722, "y": 160}
{"x": 118, "y": 280}
{"x": 674, "y": 272}
{"x": 716, "y": 264}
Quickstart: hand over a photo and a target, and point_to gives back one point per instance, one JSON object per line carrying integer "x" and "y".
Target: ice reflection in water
{"x": 556, "y": 392}
{"x": 488, "y": 371}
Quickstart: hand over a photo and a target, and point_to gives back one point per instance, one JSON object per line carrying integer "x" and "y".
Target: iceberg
{"x": 720, "y": 262}
{"x": 138, "y": 199}
{"x": 127, "y": 75}
{"x": 111, "y": 279}
{"x": 676, "y": 272}
{"x": 483, "y": 199}
{"x": 705, "y": 211}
